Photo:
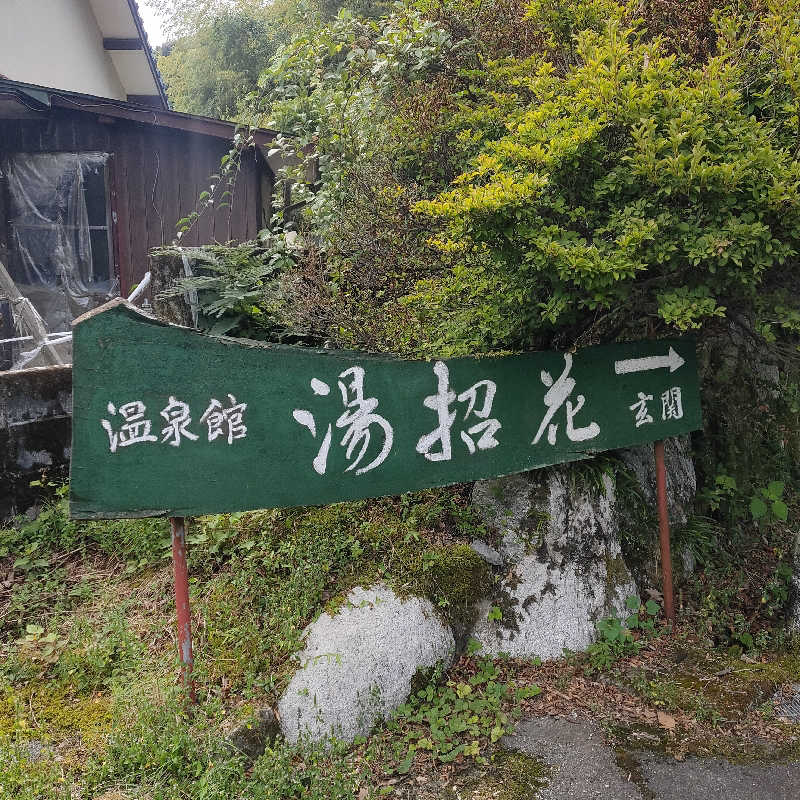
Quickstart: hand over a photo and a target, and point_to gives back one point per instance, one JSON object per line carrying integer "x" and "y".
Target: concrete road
{"x": 584, "y": 768}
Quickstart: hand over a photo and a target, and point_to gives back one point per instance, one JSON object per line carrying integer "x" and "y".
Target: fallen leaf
{"x": 666, "y": 721}
{"x": 362, "y": 793}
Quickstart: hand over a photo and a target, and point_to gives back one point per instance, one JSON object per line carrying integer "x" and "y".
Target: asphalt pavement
{"x": 583, "y": 767}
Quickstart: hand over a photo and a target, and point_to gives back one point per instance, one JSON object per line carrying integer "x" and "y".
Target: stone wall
{"x": 35, "y": 432}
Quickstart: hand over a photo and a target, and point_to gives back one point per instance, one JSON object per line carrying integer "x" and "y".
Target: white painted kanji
{"x": 672, "y": 404}
{"x": 135, "y": 428}
{"x": 359, "y": 420}
{"x": 556, "y": 396}
{"x": 643, "y": 416}
{"x": 440, "y": 403}
{"x": 225, "y": 421}
{"x": 177, "y": 416}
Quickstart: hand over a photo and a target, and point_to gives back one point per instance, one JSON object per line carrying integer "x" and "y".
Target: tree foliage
{"x": 218, "y": 48}
{"x": 210, "y": 70}
{"x": 531, "y": 174}
{"x": 632, "y": 186}
{"x": 515, "y": 175}
{"x": 185, "y": 17}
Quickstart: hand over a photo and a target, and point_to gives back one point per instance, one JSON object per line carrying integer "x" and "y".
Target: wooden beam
{"x": 149, "y": 100}
{"x": 112, "y": 43}
{"x": 190, "y": 123}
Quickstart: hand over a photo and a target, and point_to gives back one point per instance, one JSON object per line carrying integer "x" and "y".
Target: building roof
{"x": 125, "y": 40}
{"x": 27, "y": 101}
{"x": 94, "y": 46}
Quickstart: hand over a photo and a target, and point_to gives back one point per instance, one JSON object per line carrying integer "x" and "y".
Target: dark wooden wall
{"x": 157, "y": 175}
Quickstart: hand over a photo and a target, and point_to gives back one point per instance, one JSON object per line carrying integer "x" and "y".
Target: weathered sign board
{"x": 168, "y": 421}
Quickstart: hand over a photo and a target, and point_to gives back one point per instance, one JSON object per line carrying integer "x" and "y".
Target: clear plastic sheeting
{"x": 59, "y": 238}
{"x": 55, "y": 349}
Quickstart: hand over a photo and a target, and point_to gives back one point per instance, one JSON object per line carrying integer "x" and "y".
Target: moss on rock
{"x": 453, "y": 578}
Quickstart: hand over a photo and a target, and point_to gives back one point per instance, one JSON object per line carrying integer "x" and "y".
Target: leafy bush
{"x": 237, "y": 287}
{"x": 458, "y": 717}
{"x": 768, "y": 503}
{"x": 579, "y": 178}
{"x": 631, "y": 187}
{"x": 621, "y": 638}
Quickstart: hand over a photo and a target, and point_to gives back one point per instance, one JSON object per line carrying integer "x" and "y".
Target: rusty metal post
{"x": 663, "y": 530}
{"x": 181, "y": 572}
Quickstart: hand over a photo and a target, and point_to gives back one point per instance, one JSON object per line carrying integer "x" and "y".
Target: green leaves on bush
{"x": 590, "y": 183}
{"x": 616, "y": 638}
{"x": 238, "y": 289}
{"x": 631, "y": 184}
{"x": 460, "y": 717}
{"x": 769, "y": 503}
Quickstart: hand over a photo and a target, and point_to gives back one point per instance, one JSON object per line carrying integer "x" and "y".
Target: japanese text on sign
{"x": 214, "y": 425}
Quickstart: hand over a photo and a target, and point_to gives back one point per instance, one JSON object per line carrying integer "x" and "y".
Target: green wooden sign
{"x": 168, "y": 421}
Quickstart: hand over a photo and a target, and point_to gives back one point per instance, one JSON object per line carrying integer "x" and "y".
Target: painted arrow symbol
{"x": 671, "y": 360}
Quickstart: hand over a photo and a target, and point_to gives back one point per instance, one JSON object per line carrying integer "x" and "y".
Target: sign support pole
{"x": 663, "y": 529}
{"x": 181, "y": 572}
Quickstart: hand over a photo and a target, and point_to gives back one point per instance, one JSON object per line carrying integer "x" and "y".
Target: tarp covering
{"x": 59, "y": 238}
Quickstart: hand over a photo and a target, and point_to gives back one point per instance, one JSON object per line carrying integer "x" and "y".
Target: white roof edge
{"x": 120, "y": 19}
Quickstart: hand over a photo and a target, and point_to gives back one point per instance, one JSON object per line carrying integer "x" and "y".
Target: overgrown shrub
{"x": 598, "y": 176}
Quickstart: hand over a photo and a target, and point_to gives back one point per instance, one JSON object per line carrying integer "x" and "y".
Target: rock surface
{"x": 794, "y": 614}
{"x": 487, "y": 553}
{"x": 252, "y": 737}
{"x": 35, "y": 412}
{"x": 714, "y": 778}
{"x": 639, "y": 526}
{"x": 681, "y": 477}
{"x": 559, "y": 545}
{"x": 358, "y": 664}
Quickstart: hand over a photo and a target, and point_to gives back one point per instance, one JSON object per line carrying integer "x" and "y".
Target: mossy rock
{"x": 454, "y": 579}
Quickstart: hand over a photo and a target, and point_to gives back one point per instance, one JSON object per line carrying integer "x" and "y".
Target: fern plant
{"x": 238, "y": 288}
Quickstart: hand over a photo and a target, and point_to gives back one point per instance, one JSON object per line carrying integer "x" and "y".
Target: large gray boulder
{"x": 681, "y": 477}
{"x": 561, "y": 554}
{"x": 358, "y": 665}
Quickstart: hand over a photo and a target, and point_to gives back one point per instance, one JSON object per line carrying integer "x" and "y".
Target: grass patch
{"x": 168, "y": 753}
{"x": 89, "y": 657}
{"x": 24, "y": 777}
